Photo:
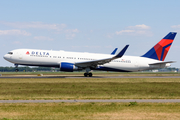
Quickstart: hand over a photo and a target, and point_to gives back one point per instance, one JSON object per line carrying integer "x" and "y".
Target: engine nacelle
{"x": 67, "y": 67}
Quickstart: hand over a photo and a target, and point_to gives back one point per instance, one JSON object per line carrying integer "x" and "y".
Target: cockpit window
{"x": 10, "y": 53}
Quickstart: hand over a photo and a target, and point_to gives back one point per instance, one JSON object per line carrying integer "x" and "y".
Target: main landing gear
{"x": 88, "y": 73}
{"x": 16, "y": 68}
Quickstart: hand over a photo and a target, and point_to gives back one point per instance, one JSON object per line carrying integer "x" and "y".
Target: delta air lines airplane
{"x": 72, "y": 61}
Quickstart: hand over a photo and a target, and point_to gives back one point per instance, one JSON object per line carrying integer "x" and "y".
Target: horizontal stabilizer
{"x": 158, "y": 63}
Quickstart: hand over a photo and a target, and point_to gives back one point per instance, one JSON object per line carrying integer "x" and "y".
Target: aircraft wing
{"x": 94, "y": 63}
{"x": 160, "y": 63}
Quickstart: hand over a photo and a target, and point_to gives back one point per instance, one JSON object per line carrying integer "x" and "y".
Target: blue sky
{"x": 96, "y": 26}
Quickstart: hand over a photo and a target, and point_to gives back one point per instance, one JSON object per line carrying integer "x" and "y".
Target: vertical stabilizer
{"x": 160, "y": 50}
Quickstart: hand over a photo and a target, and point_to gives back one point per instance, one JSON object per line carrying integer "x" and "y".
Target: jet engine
{"x": 68, "y": 67}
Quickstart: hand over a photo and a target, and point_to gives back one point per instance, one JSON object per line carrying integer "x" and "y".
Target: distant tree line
{"x": 33, "y": 69}
{"x": 25, "y": 69}
{"x": 169, "y": 69}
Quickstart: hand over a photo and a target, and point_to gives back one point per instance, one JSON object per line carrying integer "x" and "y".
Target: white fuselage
{"x": 49, "y": 58}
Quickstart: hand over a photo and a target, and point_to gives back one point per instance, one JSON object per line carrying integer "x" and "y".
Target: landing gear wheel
{"x": 16, "y": 70}
{"x": 85, "y": 74}
{"x": 90, "y": 74}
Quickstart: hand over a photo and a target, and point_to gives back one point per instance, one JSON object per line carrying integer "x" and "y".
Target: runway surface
{"x": 89, "y": 77}
{"x": 89, "y": 101}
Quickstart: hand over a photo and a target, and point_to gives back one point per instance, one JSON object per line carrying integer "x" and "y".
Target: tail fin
{"x": 160, "y": 50}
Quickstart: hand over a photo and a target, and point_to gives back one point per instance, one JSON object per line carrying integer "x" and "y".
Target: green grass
{"x": 90, "y": 88}
{"x": 90, "y": 111}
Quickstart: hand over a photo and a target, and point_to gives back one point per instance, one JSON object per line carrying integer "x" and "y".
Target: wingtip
{"x": 121, "y": 53}
{"x": 113, "y": 53}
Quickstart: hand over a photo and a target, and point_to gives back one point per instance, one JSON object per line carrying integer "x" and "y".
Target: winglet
{"x": 121, "y": 53}
{"x": 114, "y": 51}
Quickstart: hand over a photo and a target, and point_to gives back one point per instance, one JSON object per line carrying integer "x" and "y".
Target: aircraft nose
{"x": 5, "y": 56}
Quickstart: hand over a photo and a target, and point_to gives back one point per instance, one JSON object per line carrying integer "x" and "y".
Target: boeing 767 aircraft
{"x": 72, "y": 61}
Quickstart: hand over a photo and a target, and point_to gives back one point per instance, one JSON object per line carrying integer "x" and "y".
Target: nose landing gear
{"x": 16, "y": 68}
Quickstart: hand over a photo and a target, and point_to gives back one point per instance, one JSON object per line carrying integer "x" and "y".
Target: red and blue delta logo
{"x": 27, "y": 53}
{"x": 160, "y": 50}
{"x": 37, "y": 53}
